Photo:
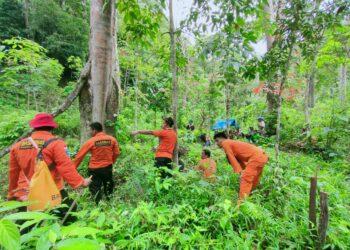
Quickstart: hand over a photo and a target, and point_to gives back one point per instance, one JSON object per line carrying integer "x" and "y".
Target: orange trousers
{"x": 251, "y": 176}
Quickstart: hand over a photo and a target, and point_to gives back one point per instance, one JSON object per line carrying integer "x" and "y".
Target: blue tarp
{"x": 221, "y": 124}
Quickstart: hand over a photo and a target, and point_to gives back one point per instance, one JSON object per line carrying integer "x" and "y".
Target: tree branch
{"x": 65, "y": 105}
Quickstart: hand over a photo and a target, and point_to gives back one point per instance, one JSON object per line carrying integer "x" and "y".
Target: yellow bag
{"x": 42, "y": 188}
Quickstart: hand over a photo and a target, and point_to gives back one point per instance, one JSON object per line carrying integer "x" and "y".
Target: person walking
{"x": 23, "y": 156}
{"x": 104, "y": 151}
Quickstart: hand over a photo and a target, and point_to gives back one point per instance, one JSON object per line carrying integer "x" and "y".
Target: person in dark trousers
{"x": 190, "y": 126}
{"x": 104, "y": 151}
{"x": 23, "y": 157}
{"x": 167, "y": 141}
{"x": 250, "y": 136}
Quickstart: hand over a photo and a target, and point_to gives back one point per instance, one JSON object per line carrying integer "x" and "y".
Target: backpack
{"x": 42, "y": 188}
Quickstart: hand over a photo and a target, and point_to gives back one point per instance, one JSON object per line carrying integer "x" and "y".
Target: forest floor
{"x": 146, "y": 213}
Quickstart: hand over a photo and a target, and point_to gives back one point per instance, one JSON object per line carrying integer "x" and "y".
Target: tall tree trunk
{"x": 227, "y": 107}
{"x": 85, "y": 109}
{"x": 26, "y": 13}
{"x": 173, "y": 73}
{"x": 280, "y": 99}
{"x": 136, "y": 109}
{"x": 342, "y": 82}
{"x": 309, "y": 98}
{"x": 28, "y": 99}
{"x": 99, "y": 97}
{"x": 271, "y": 97}
{"x": 35, "y": 101}
{"x": 113, "y": 99}
{"x": 312, "y": 89}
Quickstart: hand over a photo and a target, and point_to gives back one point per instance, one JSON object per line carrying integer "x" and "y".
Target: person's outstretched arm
{"x": 81, "y": 154}
{"x": 143, "y": 132}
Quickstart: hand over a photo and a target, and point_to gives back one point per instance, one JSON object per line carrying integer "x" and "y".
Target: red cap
{"x": 42, "y": 120}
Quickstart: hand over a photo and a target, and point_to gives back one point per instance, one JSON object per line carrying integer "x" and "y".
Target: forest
{"x": 273, "y": 74}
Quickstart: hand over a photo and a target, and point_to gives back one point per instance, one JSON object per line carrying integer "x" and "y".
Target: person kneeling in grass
{"x": 244, "y": 158}
{"x": 167, "y": 141}
{"x": 206, "y": 166}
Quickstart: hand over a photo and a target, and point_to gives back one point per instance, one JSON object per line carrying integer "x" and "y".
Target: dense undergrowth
{"x": 186, "y": 212}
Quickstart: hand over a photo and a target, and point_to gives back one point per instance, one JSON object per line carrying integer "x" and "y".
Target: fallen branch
{"x": 65, "y": 105}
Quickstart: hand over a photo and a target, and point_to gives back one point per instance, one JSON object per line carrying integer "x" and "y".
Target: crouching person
{"x": 244, "y": 158}
{"x": 206, "y": 166}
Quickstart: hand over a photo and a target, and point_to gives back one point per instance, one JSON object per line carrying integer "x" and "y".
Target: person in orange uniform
{"x": 207, "y": 166}
{"x": 167, "y": 141}
{"x": 23, "y": 157}
{"x": 104, "y": 151}
{"x": 244, "y": 158}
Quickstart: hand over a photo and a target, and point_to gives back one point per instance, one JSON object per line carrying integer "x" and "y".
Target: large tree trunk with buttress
{"x": 99, "y": 97}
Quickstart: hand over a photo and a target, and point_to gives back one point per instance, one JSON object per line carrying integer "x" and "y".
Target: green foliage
{"x": 184, "y": 212}
{"x": 26, "y": 70}
{"x": 11, "y": 19}
{"x": 61, "y": 33}
{"x": 188, "y": 213}
{"x": 10, "y": 238}
{"x": 142, "y": 20}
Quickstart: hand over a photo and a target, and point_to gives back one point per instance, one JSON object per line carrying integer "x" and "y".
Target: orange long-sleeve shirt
{"x": 22, "y": 160}
{"x": 167, "y": 142}
{"x": 208, "y": 168}
{"x": 240, "y": 153}
{"x": 104, "y": 151}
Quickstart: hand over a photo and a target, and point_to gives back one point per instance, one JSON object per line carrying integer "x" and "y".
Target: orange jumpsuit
{"x": 247, "y": 157}
{"x": 22, "y": 162}
{"x": 208, "y": 169}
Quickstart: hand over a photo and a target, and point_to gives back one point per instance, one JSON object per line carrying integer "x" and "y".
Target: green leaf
{"x": 78, "y": 244}
{"x": 10, "y": 205}
{"x": 52, "y": 236}
{"x": 76, "y": 230}
{"x": 9, "y": 235}
{"x": 43, "y": 242}
{"x": 30, "y": 216}
{"x": 101, "y": 219}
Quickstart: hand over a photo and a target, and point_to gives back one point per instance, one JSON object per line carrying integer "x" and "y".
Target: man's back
{"x": 23, "y": 157}
{"x": 104, "y": 151}
{"x": 241, "y": 150}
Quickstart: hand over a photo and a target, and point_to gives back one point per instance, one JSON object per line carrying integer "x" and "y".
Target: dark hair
{"x": 169, "y": 121}
{"x": 96, "y": 126}
{"x": 46, "y": 128}
{"x": 207, "y": 152}
{"x": 220, "y": 135}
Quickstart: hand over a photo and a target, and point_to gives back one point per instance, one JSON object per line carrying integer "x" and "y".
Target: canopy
{"x": 221, "y": 124}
